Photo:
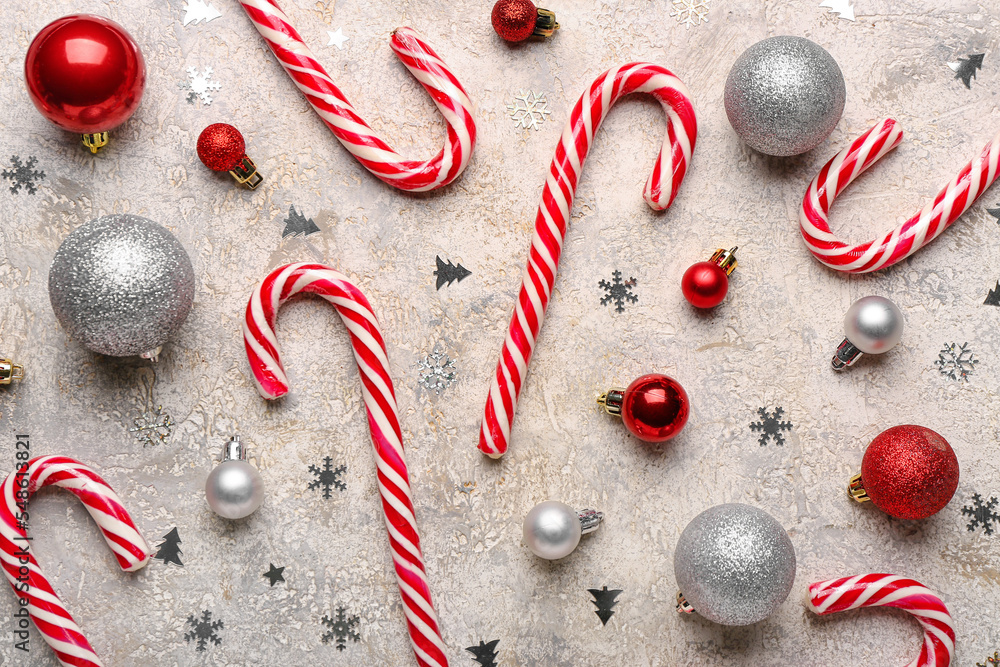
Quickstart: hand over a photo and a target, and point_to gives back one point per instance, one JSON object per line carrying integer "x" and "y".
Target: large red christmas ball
{"x": 85, "y": 73}
{"x": 221, "y": 147}
{"x": 705, "y": 284}
{"x": 514, "y": 20}
{"x": 909, "y": 472}
{"x": 655, "y": 408}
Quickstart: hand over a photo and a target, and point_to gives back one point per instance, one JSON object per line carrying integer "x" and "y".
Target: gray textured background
{"x": 768, "y": 345}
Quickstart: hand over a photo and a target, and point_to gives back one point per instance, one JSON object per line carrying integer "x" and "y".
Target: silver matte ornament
{"x": 234, "y": 489}
{"x": 122, "y": 285}
{"x": 873, "y": 325}
{"x": 784, "y": 95}
{"x": 553, "y": 529}
{"x": 734, "y": 565}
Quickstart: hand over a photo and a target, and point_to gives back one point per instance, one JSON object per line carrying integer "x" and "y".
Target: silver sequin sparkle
{"x": 735, "y": 564}
{"x": 784, "y": 95}
{"x": 121, "y": 285}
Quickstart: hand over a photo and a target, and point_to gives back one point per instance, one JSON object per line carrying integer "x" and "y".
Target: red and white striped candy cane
{"x": 51, "y": 618}
{"x": 897, "y": 244}
{"x": 350, "y": 128}
{"x": 383, "y": 421}
{"x": 552, "y": 219}
{"x": 890, "y": 590}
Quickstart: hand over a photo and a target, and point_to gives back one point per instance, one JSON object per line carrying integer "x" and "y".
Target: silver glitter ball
{"x": 121, "y": 285}
{"x": 552, "y": 530}
{"x": 873, "y": 324}
{"x": 734, "y": 564}
{"x": 784, "y": 95}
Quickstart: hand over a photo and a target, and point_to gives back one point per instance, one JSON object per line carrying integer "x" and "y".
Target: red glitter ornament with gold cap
{"x": 221, "y": 147}
{"x": 517, "y": 20}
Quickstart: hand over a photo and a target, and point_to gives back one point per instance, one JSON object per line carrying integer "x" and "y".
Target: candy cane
{"x": 383, "y": 421}
{"x": 954, "y": 200}
{"x": 51, "y": 618}
{"x": 350, "y": 128}
{"x": 889, "y": 590}
{"x": 552, "y": 219}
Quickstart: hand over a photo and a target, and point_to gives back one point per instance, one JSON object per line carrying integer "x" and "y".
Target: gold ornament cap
{"x": 95, "y": 141}
{"x": 246, "y": 173}
{"x": 857, "y": 490}
{"x": 9, "y": 371}
{"x": 726, "y": 259}
{"x": 545, "y": 24}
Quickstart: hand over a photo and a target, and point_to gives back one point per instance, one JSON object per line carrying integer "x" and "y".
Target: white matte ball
{"x": 234, "y": 489}
{"x": 873, "y": 324}
{"x": 552, "y": 530}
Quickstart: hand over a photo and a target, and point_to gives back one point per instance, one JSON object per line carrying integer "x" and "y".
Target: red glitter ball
{"x": 221, "y": 147}
{"x": 705, "y": 284}
{"x": 909, "y": 472}
{"x": 514, "y": 20}
{"x": 655, "y": 408}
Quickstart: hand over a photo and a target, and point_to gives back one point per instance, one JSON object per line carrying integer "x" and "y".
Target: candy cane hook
{"x": 889, "y": 590}
{"x": 383, "y": 422}
{"x": 552, "y": 219}
{"x": 51, "y": 618}
{"x": 898, "y": 244}
{"x": 350, "y": 128}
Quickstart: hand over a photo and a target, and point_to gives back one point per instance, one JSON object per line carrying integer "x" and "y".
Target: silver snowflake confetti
{"x": 690, "y": 12}
{"x": 342, "y": 628}
{"x": 529, "y": 110}
{"x": 956, "y": 361}
{"x": 843, "y": 8}
{"x": 199, "y": 85}
{"x": 23, "y": 175}
{"x": 437, "y": 371}
{"x": 196, "y": 11}
{"x": 618, "y": 291}
{"x": 153, "y": 427}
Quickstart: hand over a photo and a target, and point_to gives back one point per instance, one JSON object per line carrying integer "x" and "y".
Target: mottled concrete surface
{"x": 767, "y": 346}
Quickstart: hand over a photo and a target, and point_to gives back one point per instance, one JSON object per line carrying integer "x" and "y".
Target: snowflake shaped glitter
{"x": 771, "y": 426}
{"x": 528, "y": 110}
{"x": 956, "y": 361}
{"x": 328, "y": 477}
{"x": 437, "y": 371}
{"x": 153, "y": 427}
{"x": 982, "y": 514}
{"x": 341, "y": 629}
{"x": 618, "y": 291}
{"x": 23, "y": 175}
{"x": 690, "y": 12}
{"x": 203, "y": 630}
{"x": 199, "y": 85}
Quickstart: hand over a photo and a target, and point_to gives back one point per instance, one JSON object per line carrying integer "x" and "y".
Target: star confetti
{"x": 199, "y": 86}
{"x": 485, "y": 654}
{"x": 842, "y": 8}
{"x": 437, "y": 371}
{"x": 336, "y": 39}
{"x": 965, "y": 68}
{"x": 203, "y": 630}
{"x": 956, "y": 361}
{"x": 342, "y": 628}
{"x": 690, "y": 12}
{"x": 23, "y": 175}
{"x": 274, "y": 574}
{"x": 618, "y": 291}
{"x": 296, "y": 224}
{"x": 771, "y": 426}
{"x": 153, "y": 427}
{"x": 196, "y": 11}
{"x": 528, "y": 110}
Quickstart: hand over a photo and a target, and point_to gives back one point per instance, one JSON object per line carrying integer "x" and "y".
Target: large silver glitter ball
{"x": 873, "y": 324}
{"x": 121, "y": 285}
{"x": 784, "y": 95}
{"x": 734, "y": 564}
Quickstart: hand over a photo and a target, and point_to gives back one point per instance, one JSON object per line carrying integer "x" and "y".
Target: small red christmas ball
{"x": 655, "y": 408}
{"x": 85, "y": 73}
{"x": 705, "y": 284}
{"x": 909, "y": 472}
{"x": 221, "y": 147}
{"x": 514, "y": 20}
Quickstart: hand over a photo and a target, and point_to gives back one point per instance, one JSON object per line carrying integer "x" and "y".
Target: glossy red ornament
{"x": 654, "y": 407}
{"x": 85, "y": 73}
{"x": 221, "y": 147}
{"x": 517, "y": 20}
{"x": 908, "y": 472}
{"x": 706, "y": 284}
